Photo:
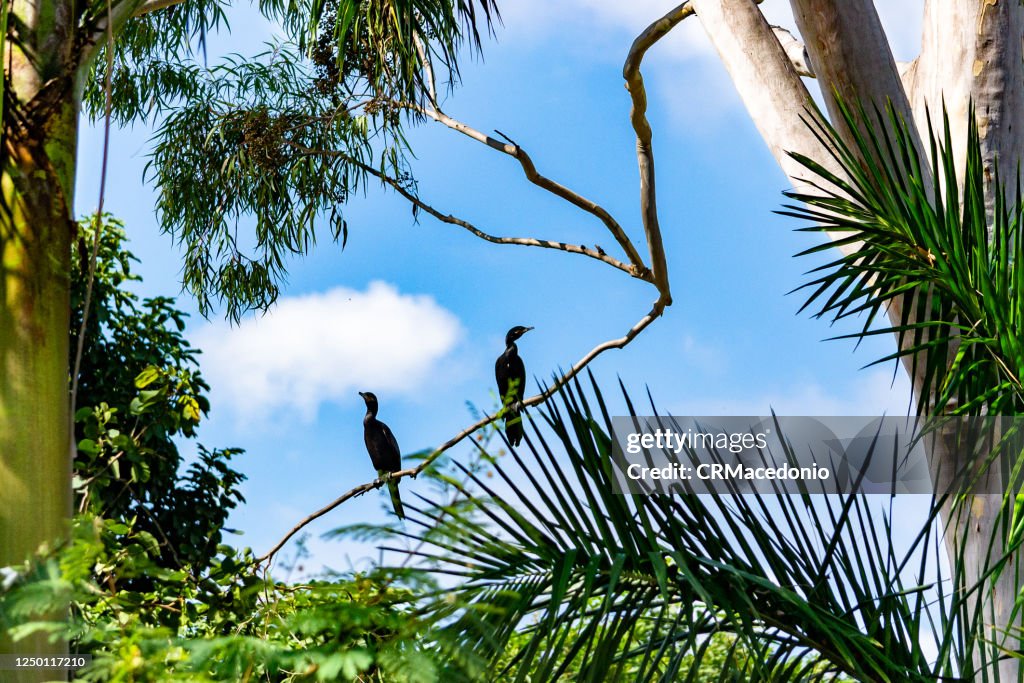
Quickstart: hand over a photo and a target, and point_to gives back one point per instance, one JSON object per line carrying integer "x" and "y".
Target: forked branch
{"x": 401, "y": 188}
{"x": 530, "y": 171}
{"x": 658, "y": 274}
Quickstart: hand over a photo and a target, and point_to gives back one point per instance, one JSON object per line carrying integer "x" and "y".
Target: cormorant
{"x": 511, "y": 375}
{"x": 383, "y": 449}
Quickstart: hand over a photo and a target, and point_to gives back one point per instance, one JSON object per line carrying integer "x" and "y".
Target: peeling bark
{"x": 850, "y": 55}
{"x": 972, "y": 51}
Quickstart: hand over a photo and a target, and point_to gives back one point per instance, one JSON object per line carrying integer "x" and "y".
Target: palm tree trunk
{"x": 40, "y": 121}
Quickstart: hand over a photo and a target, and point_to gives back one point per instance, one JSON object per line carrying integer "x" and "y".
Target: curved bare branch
{"x": 530, "y": 171}
{"x": 597, "y": 253}
{"x": 658, "y": 275}
{"x": 644, "y": 135}
{"x": 355, "y": 492}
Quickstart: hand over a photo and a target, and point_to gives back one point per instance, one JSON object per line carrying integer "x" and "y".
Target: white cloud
{"x": 324, "y": 347}
{"x": 870, "y": 393}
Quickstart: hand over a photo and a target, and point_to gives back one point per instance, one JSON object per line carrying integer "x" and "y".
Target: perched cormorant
{"x": 511, "y": 375}
{"x": 383, "y": 449}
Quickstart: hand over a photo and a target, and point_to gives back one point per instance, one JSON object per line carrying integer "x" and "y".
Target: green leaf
{"x": 147, "y": 377}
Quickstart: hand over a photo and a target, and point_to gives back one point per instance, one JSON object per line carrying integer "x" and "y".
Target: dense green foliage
{"x": 226, "y": 625}
{"x": 139, "y": 390}
{"x": 154, "y": 593}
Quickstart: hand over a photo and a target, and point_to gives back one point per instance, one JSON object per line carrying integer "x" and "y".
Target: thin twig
{"x": 530, "y": 170}
{"x": 98, "y": 228}
{"x": 399, "y": 187}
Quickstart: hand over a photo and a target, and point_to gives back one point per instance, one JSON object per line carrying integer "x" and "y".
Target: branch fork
{"x": 634, "y": 265}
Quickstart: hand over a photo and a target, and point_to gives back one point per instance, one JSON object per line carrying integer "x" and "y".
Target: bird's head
{"x": 515, "y": 333}
{"x": 371, "y": 400}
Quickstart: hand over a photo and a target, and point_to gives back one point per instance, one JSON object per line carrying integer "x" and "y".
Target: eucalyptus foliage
{"x": 242, "y": 179}
{"x": 255, "y": 151}
{"x": 370, "y": 47}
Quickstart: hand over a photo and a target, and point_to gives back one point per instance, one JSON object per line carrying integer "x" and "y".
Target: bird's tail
{"x": 396, "y": 500}
{"x": 513, "y": 425}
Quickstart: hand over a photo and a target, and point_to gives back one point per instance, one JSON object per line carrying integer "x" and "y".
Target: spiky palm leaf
{"x": 927, "y": 250}
{"x": 558, "y": 573}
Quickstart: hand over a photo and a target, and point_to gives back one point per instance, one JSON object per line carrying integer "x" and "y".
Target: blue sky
{"x": 417, "y": 312}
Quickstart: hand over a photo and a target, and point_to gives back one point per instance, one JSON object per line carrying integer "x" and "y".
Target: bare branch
{"x": 659, "y": 274}
{"x": 795, "y": 50}
{"x": 798, "y": 57}
{"x": 399, "y": 187}
{"x": 428, "y": 69}
{"x": 530, "y": 170}
{"x": 644, "y": 148}
{"x": 656, "y": 311}
{"x": 655, "y": 32}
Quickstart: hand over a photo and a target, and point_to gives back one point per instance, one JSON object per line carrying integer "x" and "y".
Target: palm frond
{"x": 560, "y": 576}
{"x": 944, "y": 266}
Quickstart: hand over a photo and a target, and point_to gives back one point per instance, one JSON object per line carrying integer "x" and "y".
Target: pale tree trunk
{"x": 971, "y": 52}
{"x": 36, "y": 228}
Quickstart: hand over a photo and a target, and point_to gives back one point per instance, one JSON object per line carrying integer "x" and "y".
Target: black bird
{"x": 511, "y": 375}
{"x": 383, "y": 449}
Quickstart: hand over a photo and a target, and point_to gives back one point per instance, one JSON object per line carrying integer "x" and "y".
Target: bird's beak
{"x": 363, "y": 394}
{"x": 527, "y": 330}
